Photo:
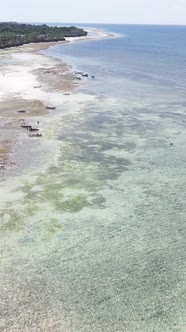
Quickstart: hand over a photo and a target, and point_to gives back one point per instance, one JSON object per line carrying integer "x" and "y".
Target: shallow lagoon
{"x": 96, "y": 240}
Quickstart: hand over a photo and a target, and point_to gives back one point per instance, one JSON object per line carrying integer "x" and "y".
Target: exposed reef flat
{"x": 92, "y": 213}
{"x": 38, "y": 186}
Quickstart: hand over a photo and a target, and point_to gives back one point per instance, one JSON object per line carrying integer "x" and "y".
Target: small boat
{"x": 33, "y": 129}
{"x": 78, "y": 72}
{"x": 50, "y": 107}
{"x": 21, "y": 111}
{"x": 92, "y": 76}
{"x": 26, "y": 126}
{"x": 84, "y": 75}
{"x": 35, "y": 135}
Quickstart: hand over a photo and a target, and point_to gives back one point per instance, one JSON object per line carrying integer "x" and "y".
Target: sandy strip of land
{"x": 22, "y": 78}
{"x": 29, "y": 83}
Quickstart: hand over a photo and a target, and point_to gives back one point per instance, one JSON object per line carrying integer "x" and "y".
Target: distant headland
{"x": 15, "y": 34}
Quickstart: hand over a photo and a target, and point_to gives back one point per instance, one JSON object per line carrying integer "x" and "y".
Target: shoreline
{"x": 93, "y": 212}
{"x": 32, "y": 81}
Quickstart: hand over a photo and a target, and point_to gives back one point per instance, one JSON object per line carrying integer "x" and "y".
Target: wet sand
{"x": 30, "y": 82}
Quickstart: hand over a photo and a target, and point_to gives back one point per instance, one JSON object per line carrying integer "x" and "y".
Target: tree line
{"x": 15, "y": 34}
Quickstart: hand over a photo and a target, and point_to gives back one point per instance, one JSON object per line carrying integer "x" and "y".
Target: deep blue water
{"x": 144, "y": 53}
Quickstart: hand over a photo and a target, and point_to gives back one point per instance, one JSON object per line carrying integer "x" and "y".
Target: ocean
{"x": 105, "y": 249}
{"x": 125, "y": 267}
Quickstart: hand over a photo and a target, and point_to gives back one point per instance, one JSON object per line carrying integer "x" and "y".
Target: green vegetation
{"x": 12, "y": 221}
{"x": 73, "y": 204}
{"x": 15, "y": 34}
{"x": 50, "y": 228}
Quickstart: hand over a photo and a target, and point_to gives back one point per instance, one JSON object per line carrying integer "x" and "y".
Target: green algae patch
{"x": 73, "y": 204}
{"x": 51, "y": 228}
{"x": 25, "y": 188}
{"x": 31, "y": 209}
{"x": 50, "y": 191}
{"x": 12, "y": 221}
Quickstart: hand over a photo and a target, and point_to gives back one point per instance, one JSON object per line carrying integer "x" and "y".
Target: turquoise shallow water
{"x": 101, "y": 242}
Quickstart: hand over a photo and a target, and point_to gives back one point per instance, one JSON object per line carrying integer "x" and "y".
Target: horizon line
{"x": 97, "y": 23}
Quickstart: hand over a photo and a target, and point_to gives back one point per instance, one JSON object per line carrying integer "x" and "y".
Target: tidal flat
{"x": 92, "y": 217}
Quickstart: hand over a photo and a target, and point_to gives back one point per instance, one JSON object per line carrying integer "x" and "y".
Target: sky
{"x": 95, "y": 11}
